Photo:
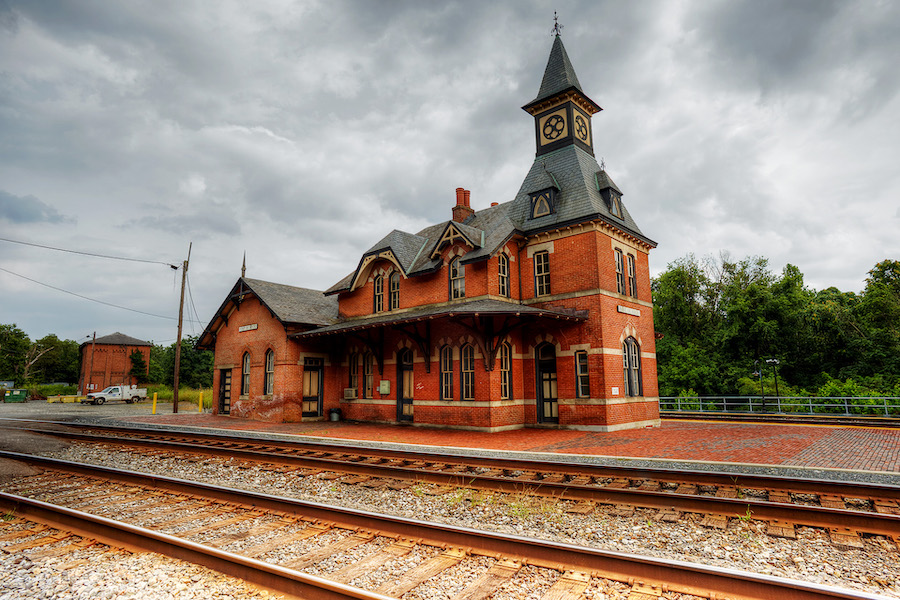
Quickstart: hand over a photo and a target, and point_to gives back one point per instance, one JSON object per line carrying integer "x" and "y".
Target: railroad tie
{"x": 425, "y": 570}
{"x": 21, "y": 533}
{"x": 714, "y": 521}
{"x": 641, "y": 591}
{"x": 726, "y": 491}
{"x": 618, "y": 484}
{"x": 570, "y": 586}
{"x": 649, "y": 485}
{"x": 250, "y": 514}
{"x": 229, "y": 538}
{"x": 781, "y": 529}
{"x": 56, "y": 536}
{"x": 63, "y": 550}
{"x": 828, "y": 501}
{"x": 622, "y": 510}
{"x": 779, "y": 496}
{"x": 321, "y": 553}
{"x": 887, "y": 507}
{"x": 582, "y": 508}
{"x": 489, "y": 581}
{"x": 284, "y": 539}
{"x": 845, "y": 538}
{"x": 373, "y": 561}
{"x": 688, "y": 489}
{"x": 668, "y": 515}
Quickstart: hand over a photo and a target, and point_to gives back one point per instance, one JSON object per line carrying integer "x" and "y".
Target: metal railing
{"x": 887, "y": 406}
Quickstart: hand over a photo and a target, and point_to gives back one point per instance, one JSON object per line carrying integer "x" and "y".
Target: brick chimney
{"x": 462, "y": 210}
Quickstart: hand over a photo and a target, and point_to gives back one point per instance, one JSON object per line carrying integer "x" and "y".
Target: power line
{"x": 141, "y": 260}
{"x": 52, "y": 287}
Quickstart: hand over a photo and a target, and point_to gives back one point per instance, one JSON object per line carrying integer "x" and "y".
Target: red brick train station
{"x": 532, "y": 312}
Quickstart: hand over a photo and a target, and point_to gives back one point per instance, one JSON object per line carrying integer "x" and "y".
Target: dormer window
{"x": 615, "y": 204}
{"x": 542, "y": 203}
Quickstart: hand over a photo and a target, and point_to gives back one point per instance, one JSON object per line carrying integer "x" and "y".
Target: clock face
{"x": 553, "y": 126}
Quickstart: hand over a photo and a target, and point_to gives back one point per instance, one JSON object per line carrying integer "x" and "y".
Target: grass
{"x": 165, "y": 393}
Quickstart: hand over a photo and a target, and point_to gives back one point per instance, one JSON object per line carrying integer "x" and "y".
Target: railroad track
{"x": 310, "y": 550}
{"x": 847, "y": 510}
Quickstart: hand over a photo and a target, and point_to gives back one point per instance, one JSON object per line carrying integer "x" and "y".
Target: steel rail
{"x": 132, "y": 537}
{"x": 815, "y": 516}
{"x": 676, "y": 576}
{"x": 798, "y": 485}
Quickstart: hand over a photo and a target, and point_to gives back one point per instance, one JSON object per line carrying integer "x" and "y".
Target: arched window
{"x": 631, "y": 366}
{"x": 457, "y": 279}
{"x": 368, "y": 375}
{"x": 353, "y": 369}
{"x": 245, "y": 374}
{"x": 503, "y": 267}
{"x": 446, "y": 373}
{"x": 269, "y": 383}
{"x": 505, "y": 371}
{"x": 467, "y": 372}
{"x": 394, "y": 301}
{"x": 378, "y": 295}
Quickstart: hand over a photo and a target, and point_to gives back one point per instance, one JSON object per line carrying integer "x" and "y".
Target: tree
{"x": 60, "y": 363}
{"x": 14, "y": 344}
{"x": 138, "y": 367}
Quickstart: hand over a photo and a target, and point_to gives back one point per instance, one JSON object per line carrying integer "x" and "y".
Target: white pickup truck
{"x": 116, "y": 392}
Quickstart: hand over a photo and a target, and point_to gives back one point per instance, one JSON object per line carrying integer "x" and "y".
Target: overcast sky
{"x": 303, "y": 132}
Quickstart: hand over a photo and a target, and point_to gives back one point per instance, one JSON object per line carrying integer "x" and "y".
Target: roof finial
{"x": 602, "y": 164}
{"x": 244, "y": 266}
{"x": 557, "y": 28}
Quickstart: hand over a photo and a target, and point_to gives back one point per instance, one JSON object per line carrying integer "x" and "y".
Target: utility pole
{"x": 90, "y": 375}
{"x": 184, "y": 270}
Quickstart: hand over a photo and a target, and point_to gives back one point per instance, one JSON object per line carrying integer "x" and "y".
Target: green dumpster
{"x": 15, "y": 395}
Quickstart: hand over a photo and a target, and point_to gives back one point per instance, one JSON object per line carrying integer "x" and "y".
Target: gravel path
{"x": 744, "y": 545}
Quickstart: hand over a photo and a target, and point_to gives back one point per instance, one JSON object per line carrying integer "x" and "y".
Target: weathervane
{"x": 557, "y": 28}
{"x": 602, "y": 164}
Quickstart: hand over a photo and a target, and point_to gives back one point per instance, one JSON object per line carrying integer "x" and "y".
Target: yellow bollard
{"x": 154, "y": 404}
{"x": 200, "y": 403}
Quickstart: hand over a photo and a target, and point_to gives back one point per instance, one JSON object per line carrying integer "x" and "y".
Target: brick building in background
{"x": 533, "y": 312}
{"x": 106, "y": 361}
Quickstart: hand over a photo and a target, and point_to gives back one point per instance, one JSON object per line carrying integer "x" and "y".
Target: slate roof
{"x": 479, "y": 307}
{"x": 295, "y": 305}
{"x": 578, "y": 200}
{"x": 559, "y": 75}
{"x": 118, "y": 339}
{"x": 290, "y": 305}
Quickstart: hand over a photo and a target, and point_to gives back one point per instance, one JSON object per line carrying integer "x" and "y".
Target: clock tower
{"x": 562, "y": 111}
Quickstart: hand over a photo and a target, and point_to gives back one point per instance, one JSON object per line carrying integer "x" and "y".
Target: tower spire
{"x": 244, "y": 265}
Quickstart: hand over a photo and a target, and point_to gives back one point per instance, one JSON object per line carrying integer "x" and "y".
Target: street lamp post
{"x": 774, "y": 363}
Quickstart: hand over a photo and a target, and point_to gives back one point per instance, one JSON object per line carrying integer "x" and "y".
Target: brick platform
{"x": 854, "y": 448}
